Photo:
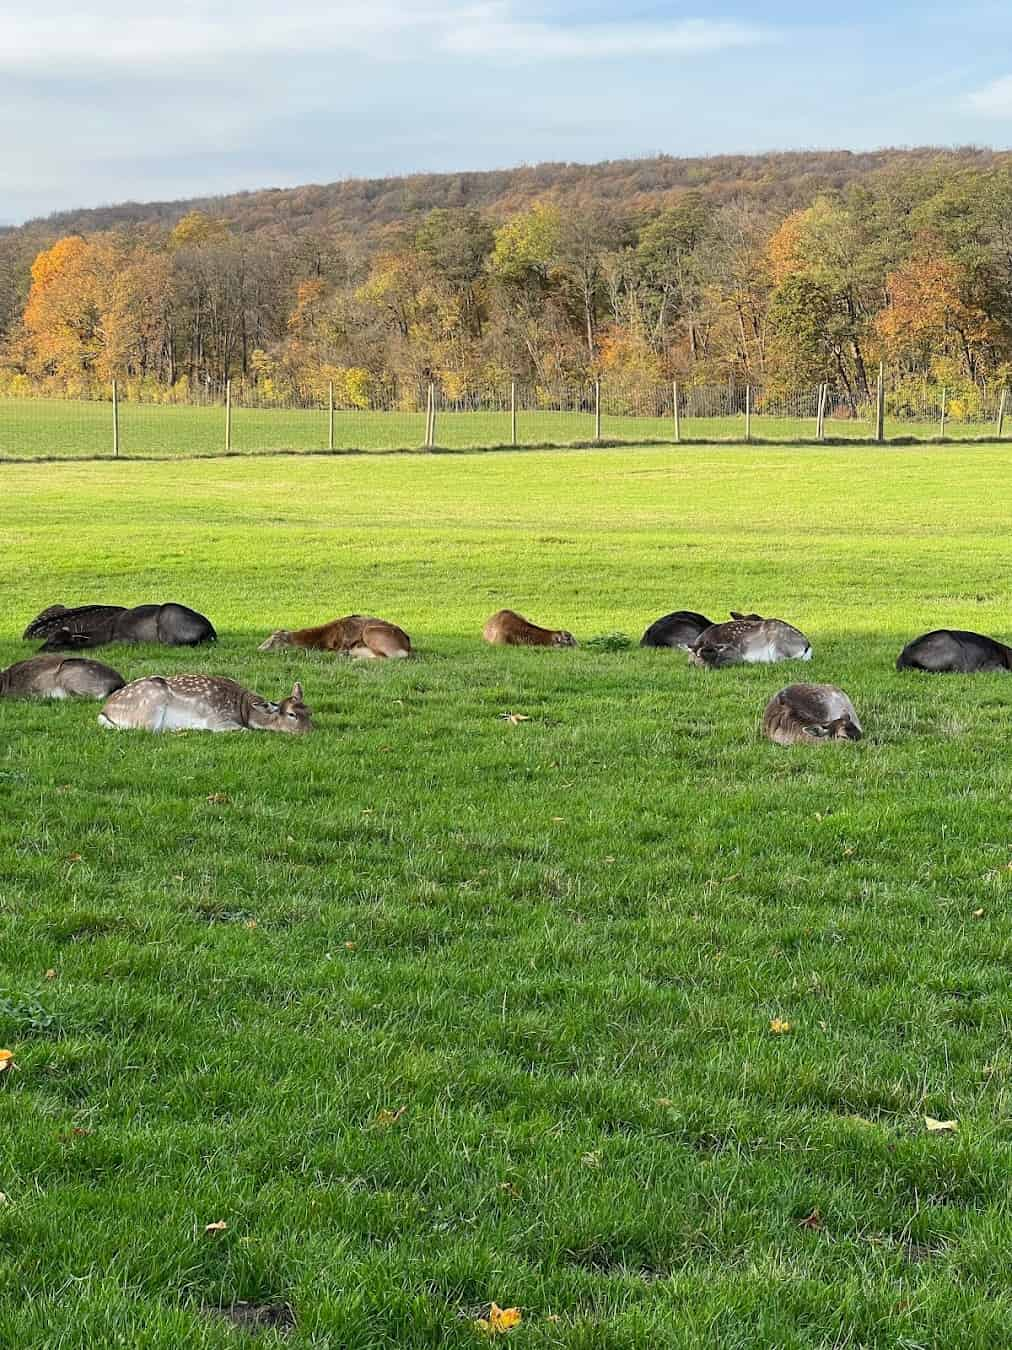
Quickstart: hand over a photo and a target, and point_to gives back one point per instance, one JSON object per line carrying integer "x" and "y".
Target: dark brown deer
{"x": 201, "y": 703}
{"x": 357, "y": 635}
{"x": 95, "y": 625}
{"x": 679, "y": 629}
{"x": 952, "y": 650}
{"x": 810, "y": 712}
{"x": 509, "y": 629}
{"x": 59, "y": 677}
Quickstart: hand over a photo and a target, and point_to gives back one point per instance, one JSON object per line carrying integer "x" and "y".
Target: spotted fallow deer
{"x": 59, "y": 677}
{"x": 749, "y": 639}
{"x": 810, "y": 712}
{"x": 356, "y": 635}
{"x": 201, "y": 703}
{"x": 509, "y": 629}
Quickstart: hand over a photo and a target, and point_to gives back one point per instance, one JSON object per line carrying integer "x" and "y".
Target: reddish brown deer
{"x": 509, "y": 629}
{"x": 356, "y": 635}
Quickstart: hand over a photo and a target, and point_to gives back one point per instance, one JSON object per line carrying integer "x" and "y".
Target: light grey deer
{"x": 59, "y": 677}
{"x": 810, "y": 712}
{"x": 201, "y": 703}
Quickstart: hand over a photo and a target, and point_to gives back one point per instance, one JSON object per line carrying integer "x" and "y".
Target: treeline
{"x": 908, "y": 261}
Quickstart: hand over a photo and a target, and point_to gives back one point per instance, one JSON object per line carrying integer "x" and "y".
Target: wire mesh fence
{"x": 424, "y": 415}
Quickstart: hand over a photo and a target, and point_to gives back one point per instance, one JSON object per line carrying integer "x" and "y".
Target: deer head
{"x": 290, "y": 715}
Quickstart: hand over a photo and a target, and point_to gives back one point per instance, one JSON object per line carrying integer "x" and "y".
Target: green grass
{"x": 37, "y": 428}
{"x": 558, "y": 944}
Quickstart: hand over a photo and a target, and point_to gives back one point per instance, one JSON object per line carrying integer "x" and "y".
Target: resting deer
{"x": 508, "y": 629}
{"x": 749, "y": 639}
{"x": 94, "y": 625}
{"x": 810, "y": 712}
{"x": 356, "y": 635}
{"x": 955, "y": 651}
{"x": 59, "y": 677}
{"x": 201, "y": 703}
{"x": 679, "y": 629}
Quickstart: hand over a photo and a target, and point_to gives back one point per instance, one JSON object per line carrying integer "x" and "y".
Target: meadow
{"x": 66, "y": 428}
{"x": 619, "y": 1015}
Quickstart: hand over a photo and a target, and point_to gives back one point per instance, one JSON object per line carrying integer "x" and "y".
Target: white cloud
{"x": 490, "y": 31}
{"x": 994, "y": 100}
{"x": 71, "y": 39}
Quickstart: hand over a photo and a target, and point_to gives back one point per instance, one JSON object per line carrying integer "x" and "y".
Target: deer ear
{"x": 297, "y": 692}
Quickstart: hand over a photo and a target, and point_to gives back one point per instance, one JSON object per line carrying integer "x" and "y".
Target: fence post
{"x": 678, "y": 421}
{"x": 513, "y": 412}
{"x": 880, "y": 404}
{"x": 748, "y": 414}
{"x": 597, "y": 410}
{"x": 820, "y": 421}
{"x": 330, "y": 415}
{"x": 1001, "y": 412}
{"x": 115, "y": 420}
{"x": 941, "y": 422}
{"x": 228, "y": 416}
{"x": 432, "y": 414}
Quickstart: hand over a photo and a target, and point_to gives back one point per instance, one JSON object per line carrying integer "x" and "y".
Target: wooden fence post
{"x": 820, "y": 420}
{"x": 941, "y": 420}
{"x": 1001, "y": 412}
{"x": 330, "y": 415}
{"x": 748, "y": 414}
{"x": 115, "y": 420}
{"x": 597, "y": 410}
{"x": 513, "y": 412}
{"x": 228, "y": 416}
{"x": 880, "y": 404}
{"x": 678, "y": 420}
{"x": 432, "y": 414}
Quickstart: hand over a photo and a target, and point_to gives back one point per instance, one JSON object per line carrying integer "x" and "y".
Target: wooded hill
{"x": 783, "y": 269}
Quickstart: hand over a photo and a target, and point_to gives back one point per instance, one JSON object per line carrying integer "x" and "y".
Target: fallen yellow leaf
{"x": 218, "y": 799}
{"x": 388, "y": 1117}
{"x": 514, "y": 717}
{"x": 978, "y": 913}
{"x": 940, "y": 1126}
{"x": 500, "y": 1320}
{"x": 218, "y": 1226}
{"x": 73, "y": 857}
{"x": 50, "y": 974}
{"x": 780, "y": 1027}
{"x": 6, "y": 1060}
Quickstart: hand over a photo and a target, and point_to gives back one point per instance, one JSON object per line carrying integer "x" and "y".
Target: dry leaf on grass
{"x": 388, "y": 1117}
{"x": 51, "y": 974}
{"x": 513, "y": 717}
{"x": 780, "y": 1027}
{"x": 4, "y": 1199}
{"x": 813, "y": 1220}
{"x": 978, "y": 914}
{"x": 6, "y": 1060}
{"x": 499, "y": 1320}
{"x": 74, "y": 857}
{"x": 934, "y": 1126}
{"x": 218, "y": 1226}
{"x": 218, "y": 799}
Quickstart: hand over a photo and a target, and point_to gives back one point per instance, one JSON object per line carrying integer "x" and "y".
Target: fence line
{"x": 427, "y": 415}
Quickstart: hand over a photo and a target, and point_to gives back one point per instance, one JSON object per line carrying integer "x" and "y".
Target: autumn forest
{"x": 779, "y": 271}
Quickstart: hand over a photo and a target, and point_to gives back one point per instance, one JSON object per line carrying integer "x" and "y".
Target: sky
{"x": 105, "y": 101}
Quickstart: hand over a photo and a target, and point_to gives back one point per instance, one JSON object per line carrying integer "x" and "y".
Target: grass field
{"x": 432, "y": 1009}
{"x": 34, "y": 428}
